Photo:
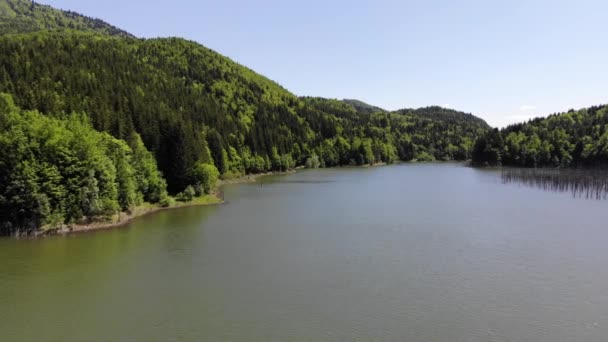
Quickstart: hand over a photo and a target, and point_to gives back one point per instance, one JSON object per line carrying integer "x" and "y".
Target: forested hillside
{"x": 192, "y": 105}
{"x": 186, "y": 101}
{"x": 390, "y": 136}
{"x": 363, "y": 107}
{"x": 18, "y": 16}
{"x": 572, "y": 139}
{"x": 195, "y": 110}
{"x": 59, "y": 170}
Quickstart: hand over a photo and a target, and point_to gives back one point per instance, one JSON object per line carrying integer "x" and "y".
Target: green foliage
{"x": 55, "y": 171}
{"x": 149, "y": 180}
{"x": 354, "y": 136}
{"x": 187, "y": 195}
{"x": 175, "y": 106}
{"x": 205, "y": 175}
{"x": 26, "y": 16}
{"x": 190, "y": 104}
{"x": 424, "y": 157}
{"x": 572, "y": 139}
{"x": 363, "y": 107}
{"x": 167, "y": 201}
{"x": 313, "y": 162}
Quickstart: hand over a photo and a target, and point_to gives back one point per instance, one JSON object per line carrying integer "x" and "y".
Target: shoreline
{"x": 123, "y": 218}
{"x": 252, "y": 178}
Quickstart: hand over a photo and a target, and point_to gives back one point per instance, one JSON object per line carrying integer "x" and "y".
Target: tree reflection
{"x": 589, "y": 184}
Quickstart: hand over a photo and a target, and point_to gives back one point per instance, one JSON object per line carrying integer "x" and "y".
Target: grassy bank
{"x": 123, "y": 218}
{"x": 251, "y": 178}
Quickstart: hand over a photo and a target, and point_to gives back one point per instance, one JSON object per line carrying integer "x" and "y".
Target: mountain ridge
{"x": 363, "y": 107}
{"x": 191, "y": 104}
{"x": 188, "y": 112}
{"x": 19, "y": 16}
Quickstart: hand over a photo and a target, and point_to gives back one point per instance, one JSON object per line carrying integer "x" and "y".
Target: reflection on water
{"x": 589, "y": 184}
{"x": 412, "y": 252}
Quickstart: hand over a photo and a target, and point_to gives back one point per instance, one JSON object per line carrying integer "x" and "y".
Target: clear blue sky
{"x": 505, "y": 61}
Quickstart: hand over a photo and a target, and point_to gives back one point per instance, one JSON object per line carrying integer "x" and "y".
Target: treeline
{"x": 347, "y": 136}
{"x": 18, "y": 16}
{"x": 193, "y": 106}
{"x": 572, "y": 139}
{"x": 171, "y": 107}
{"x": 55, "y": 171}
{"x": 188, "y": 103}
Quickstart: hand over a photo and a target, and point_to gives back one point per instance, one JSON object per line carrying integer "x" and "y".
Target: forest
{"x": 577, "y": 139}
{"x": 56, "y": 170}
{"x": 192, "y": 114}
{"x": 88, "y": 106}
{"x": 190, "y": 105}
{"x": 18, "y": 16}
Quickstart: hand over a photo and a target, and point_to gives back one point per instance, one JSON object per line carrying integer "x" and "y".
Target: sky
{"x": 504, "y": 61}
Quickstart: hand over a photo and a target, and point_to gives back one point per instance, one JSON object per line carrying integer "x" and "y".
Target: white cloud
{"x": 527, "y": 108}
{"x": 446, "y": 105}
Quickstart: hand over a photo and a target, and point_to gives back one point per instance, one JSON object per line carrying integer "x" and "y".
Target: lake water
{"x": 411, "y": 252}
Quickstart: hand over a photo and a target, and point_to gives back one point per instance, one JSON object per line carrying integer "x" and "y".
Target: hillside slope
{"x": 191, "y": 104}
{"x": 177, "y": 111}
{"x": 573, "y": 139}
{"x": 18, "y": 16}
{"x": 363, "y": 107}
{"x": 59, "y": 170}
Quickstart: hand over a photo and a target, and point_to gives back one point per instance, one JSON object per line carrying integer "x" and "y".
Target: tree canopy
{"x": 191, "y": 105}
{"x": 17, "y": 16}
{"x": 573, "y": 139}
{"x": 60, "y": 170}
{"x": 99, "y": 116}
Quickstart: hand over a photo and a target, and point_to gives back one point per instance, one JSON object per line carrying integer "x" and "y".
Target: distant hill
{"x": 18, "y": 16}
{"x": 445, "y": 114}
{"x": 363, "y": 107}
{"x": 573, "y": 139}
{"x": 431, "y": 133}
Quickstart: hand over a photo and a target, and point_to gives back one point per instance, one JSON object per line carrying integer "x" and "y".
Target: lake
{"x": 410, "y": 252}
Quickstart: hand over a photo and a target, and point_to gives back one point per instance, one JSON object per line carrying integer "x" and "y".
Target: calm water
{"x": 428, "y": 252}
